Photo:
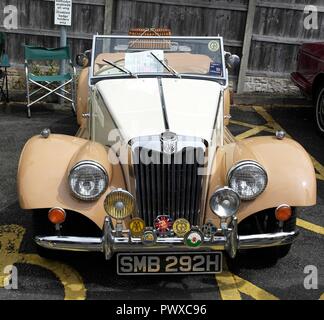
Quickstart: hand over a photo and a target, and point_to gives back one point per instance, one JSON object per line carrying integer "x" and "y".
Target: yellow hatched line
{"x": 10, "y": 240}
{"x": 72, "y": 282}
{"x": 271, "y": 122}
{"x": 227, "y": 285}
{"x": 318, "y": 167}
{"x": 310, "y": 226}
{"x": 252, "y": 290}
{"x": 249, "y": 125}
{"x": 319, "y": 177}
{"x": 250, "y": 132}
{"x": 231, "y": 285}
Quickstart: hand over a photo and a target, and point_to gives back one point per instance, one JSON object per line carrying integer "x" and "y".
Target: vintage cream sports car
{"x": 153, "y": 174}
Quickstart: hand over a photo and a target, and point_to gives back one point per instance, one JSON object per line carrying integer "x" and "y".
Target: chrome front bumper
{"x": 110, "y": 242}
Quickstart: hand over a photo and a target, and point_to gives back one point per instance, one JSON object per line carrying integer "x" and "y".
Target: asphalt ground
{"x": 89, "y": 276}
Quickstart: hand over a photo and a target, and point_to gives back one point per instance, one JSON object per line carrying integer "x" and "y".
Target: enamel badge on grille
{"x": 194, "y": 238}
{"x": 163, "y": 224}
{"x": 181, "y": 227}
{"x": 209, "y": 229}
{"x": 136, "y": 227}
{"x": 148, "y": 236}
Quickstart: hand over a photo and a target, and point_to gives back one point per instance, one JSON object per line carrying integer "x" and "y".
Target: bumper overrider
{"x": 121, "y": 241}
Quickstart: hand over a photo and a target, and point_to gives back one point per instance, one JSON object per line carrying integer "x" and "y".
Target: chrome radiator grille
{"x": 170, "y": 184}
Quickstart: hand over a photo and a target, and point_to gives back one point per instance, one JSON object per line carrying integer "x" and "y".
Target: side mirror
{"x": 83, "y": 59}
{"x": 232, "y": 62}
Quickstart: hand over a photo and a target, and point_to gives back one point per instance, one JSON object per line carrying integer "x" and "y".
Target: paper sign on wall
{"x": 63, "y": 12}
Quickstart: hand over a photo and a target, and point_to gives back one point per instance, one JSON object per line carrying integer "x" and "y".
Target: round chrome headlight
{"x": 88, "y": 180}
{"x": 119, "y": 204}
{"x": 224, "y": 202}
{"x": 248, "y": 179}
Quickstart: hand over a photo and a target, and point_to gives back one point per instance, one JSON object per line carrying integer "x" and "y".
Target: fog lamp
{"x": 224, "y": 202}
{"x": 119, "y": 204}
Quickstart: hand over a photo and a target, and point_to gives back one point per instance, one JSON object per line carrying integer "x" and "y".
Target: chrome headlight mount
{"x": 225, "y": 203}
{"x": 88, "y": 180}
{"x": 248, "y": 178}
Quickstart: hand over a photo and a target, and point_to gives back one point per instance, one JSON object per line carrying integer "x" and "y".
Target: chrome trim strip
{"x": 70, "y": 243}
{"x": 163, "y": 105}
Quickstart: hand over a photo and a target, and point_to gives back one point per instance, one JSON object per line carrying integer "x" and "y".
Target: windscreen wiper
{"x": 166, "y": 66}
{"x": 122, "y": 69}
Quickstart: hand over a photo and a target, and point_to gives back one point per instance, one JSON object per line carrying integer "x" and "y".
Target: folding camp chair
{"x": 4, "y": 65}
{"x": 54, "y": 84}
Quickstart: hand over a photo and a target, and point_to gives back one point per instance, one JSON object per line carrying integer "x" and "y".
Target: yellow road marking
{"x": 318, "y": 167}
{"x": 227, "y": 285}
{"x": 252, "y": 290}
{"x": 273, "y": 124}
{"x": 250, "y": 132}
{"x": 310, "y": 226}
{"x": 10, "y": 240}
{"x": 249, "y": 125}
{"x": 71, "y": 280}
{"x": 231, "y": 285}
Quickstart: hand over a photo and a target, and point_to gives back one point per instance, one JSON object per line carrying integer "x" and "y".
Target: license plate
{"x": 169, "y": 263}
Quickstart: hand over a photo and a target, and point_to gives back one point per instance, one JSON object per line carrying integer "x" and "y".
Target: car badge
{"x": 163, "y": 224}
{"x": 208, "y": 229}
{"x": 169, "y": 142}
{"x": 181, "y": 227}
{"x": 149, "y": 236}
{"x": 136, "y": 227}
{"x": 194, "y": 238}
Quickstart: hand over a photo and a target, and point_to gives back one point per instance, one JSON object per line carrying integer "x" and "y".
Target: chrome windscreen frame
{"x": 222, "y": 80}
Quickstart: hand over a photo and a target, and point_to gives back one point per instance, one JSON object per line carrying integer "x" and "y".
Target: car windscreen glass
{"x": 195, "y": 56}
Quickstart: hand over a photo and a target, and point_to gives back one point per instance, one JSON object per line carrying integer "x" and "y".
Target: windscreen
{"x": 115, "y": 56}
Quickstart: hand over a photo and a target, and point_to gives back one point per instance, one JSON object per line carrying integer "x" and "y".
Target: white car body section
{"x": 135, "y": 105}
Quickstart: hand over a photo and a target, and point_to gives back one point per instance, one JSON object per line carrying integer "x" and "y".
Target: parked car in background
{"x": 309, "y": 77}
{"x": 154, "y": 174}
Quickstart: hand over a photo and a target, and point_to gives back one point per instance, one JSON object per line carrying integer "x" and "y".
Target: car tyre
{"x": 319, "y": 109}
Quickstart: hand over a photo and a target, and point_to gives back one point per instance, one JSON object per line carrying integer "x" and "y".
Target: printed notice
{"x": 141, "y": 62}
{"x": 63, "y": 12}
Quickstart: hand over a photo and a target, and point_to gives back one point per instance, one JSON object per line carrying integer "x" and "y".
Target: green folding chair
{"x": 4, "y": 65}
{"x": 53, "y": 84}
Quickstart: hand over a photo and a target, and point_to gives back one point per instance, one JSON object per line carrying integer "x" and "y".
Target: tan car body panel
{"x": 43, "y": 170}
{"x": 291, "y": 175}
{"x": 284, "y": 187}
{"x": 45, "y": 163}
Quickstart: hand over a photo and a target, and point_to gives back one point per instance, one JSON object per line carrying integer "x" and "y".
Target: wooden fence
{"x": 266, "y": 33}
